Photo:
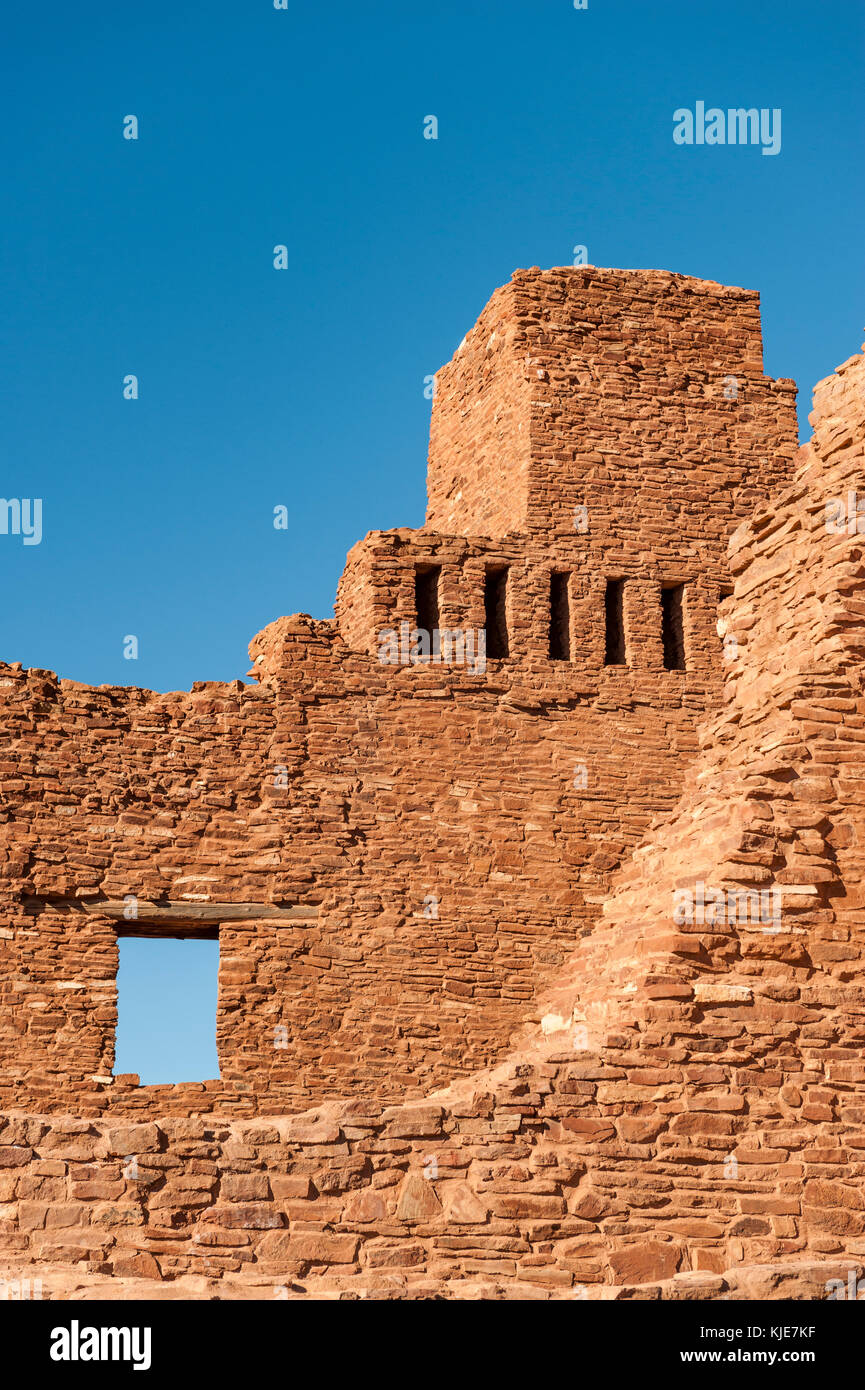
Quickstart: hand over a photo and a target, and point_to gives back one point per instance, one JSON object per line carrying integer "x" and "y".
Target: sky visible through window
{"x": 166, "y": 1029}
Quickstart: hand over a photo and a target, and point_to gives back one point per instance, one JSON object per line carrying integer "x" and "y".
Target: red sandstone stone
{"x": 428, "y": 897}
{"x": 417, "y": 1200}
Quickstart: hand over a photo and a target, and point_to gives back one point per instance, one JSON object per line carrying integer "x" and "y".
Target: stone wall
{"x": 430, "y": 817}
{"x": 668, "y": 1104}
{"x": 445, "y": 833}
{"x": 682, "y": 1116}
{"x": 638, "y": 394}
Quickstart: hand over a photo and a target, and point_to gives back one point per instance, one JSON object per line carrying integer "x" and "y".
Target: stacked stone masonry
{"x": 514, "y": 1067}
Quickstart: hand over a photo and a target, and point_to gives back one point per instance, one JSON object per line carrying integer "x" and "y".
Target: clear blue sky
{"x": 166, "y": 1010}
{"x": 304, "y": 387}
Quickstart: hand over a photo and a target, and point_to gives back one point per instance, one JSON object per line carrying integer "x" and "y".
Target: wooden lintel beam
{"x": 210, "y": 912}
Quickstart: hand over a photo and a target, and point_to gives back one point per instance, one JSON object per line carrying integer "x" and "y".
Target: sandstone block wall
{"x": 639, "y": 394}
{"x": 445, "y": 835}
{"x": 683, "y": 1114}
{"x": 554, "y": 1082}
{"x": 377, "y": 597}
{"x": 429, "y": 817}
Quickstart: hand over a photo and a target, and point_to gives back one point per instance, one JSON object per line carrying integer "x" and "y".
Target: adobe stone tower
{"x": 396, "y": 848}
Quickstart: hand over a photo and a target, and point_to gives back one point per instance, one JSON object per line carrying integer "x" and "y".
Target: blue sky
{"x": 166, "y": 1010}
{"x": 304, "y": 387}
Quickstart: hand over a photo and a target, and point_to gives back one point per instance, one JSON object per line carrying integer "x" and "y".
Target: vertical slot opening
{"x": 496, "y": 613}
{"x": 672, "y": 627}
{"x": 614, "y": 612}
{"x": 560, "y": 617}
{"x": 729, "y": 646}
{"x": 427, "y": 609}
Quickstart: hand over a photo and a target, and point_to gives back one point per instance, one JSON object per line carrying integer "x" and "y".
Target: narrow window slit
{"x": 728, "y": 642}
{"x": 560, "y": 617}
{"x": 614, "y": 609}
{"x": 426, "y": 594}
{"x": 672, "y": 627}
{"x": 496, "y": 613}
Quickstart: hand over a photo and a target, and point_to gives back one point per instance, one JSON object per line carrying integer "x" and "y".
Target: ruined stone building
{"x": 472, "y": 1038}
